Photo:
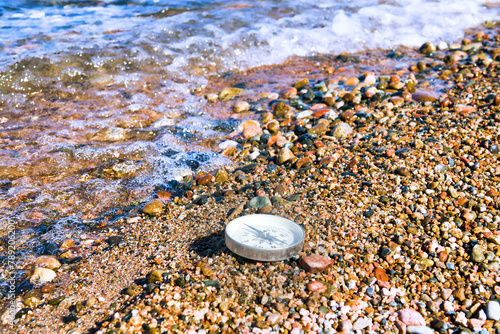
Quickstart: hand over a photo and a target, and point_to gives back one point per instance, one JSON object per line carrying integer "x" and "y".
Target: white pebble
{"x": 419, "y": 330}
{"x": 442, "y": 46}
{"x": 493, "y": 310}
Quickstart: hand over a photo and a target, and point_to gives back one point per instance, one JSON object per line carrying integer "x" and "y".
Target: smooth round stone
{"x": 47, "y": 261}
{"x": 411, "y": 317}
{"x": 493, "y": 310}
{"x": 419, "y": 330}
{"x": 205, "y": 179}
{"x": 301, "y": 83}
{"x": 442, "y": 46}
{"x": 251, "y": 131}
{"x": 315, "y": 263}
{"x": 32, "y": 302}
{"x": 342, "y": 130}
{"x": 42, "y": 275}
{"x": 440, "y": 168}
{"x": 402, "y": 171}
{"x": 321, "y": 127}
{"x": 425, "y": 95}
{"x": 284, "y": 155}
{"x": 241, "y": 107}
{"x": 229, "y": 93}
{"x": 211, "y": 97}
{"x": 427, "y": 48}
{"x": 345, "y": 326}
{"x": 154, "y": 208}
{"x": 274, "y": 318}
{"x": 477, "y": 254}
{"x": 361, "y": 323}
{"x": 259, "y": 202}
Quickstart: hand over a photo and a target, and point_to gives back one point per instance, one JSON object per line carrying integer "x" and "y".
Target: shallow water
{"x": 102, "y": 101}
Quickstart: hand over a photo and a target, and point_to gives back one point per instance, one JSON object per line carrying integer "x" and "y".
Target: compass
{"x": 264, "y": 237}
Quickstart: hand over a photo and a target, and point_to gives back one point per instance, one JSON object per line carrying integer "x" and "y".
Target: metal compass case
{"x": 264, "y": 237}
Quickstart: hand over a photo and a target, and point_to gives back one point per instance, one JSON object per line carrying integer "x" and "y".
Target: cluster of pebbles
{"x": 394, "y": 179}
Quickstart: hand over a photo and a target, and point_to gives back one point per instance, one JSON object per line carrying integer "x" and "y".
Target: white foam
{"x": 216, "y": 35}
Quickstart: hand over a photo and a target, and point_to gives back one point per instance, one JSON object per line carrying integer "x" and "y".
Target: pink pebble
{"x": 476, "y": 323}
{"x": 316, "y": 286}
{"x": 345, "y": 326}
{"x": 251, "y": 131}
{"x": 411, "y": 317}
{"x": 315, "y": 263}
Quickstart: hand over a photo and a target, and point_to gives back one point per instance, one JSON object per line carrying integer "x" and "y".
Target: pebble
{"x": 273, "y": 319}
{"x": 320, "y": 128}
{"x": 477, "y": 254}
{"x": 345, "y": 326}
{"x": 211, "y": 97}
{"x": 353, "y": 81}
{"x": 241, "y": 107}
{"x": 342, "y": 130}
{"x": 47, "y": 261}
{"x": 362, "y": 322}
{"x": 493, "y": 310}
{"x": 463, "y": 109}
{"x": 230, "y": 93}
{"x": 442, "y": 46}
{"x": 303, "y": 162}
{"x": 285, "y": 155}
{"x": 410, "y": 317}
{"x": 259, "y": 202}
{"x": 424, "y": 95}
{"x": 419, "y": 330}
{"x": 316, "y": 286}
{"x": 154, "y": 207}
{"x": 221, "y": 176}
{"x": 251, "y": 131}
{"x": 289, "y": 93}
{"x": 427, "y": 48}
{"x": 301, "y": 83}
{"x": 315, "y": 263}
{"x": 68, "y": 243}
{"x": 43, "y": 275}
{"x": 205, "y": 180}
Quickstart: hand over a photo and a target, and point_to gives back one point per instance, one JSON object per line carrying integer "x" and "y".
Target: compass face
{"x": 264, "y": 237}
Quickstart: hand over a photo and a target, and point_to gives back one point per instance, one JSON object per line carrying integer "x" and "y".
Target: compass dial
{"x": 264, "y": 237}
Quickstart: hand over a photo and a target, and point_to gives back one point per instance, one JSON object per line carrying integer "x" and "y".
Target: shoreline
{"x": 399, "y": 192}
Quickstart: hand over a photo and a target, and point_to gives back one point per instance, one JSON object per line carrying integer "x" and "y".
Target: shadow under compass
{"x": 212, "y": 244}
{"x": 215, "y": 244}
